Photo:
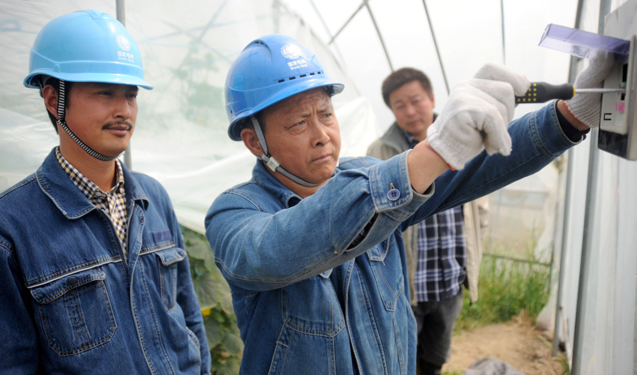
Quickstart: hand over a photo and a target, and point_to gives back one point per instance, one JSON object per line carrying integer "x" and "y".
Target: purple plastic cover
{"x": 581, "y": 43}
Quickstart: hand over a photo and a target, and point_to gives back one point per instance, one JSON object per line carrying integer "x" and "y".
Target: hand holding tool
{"x": 540, "y": 92}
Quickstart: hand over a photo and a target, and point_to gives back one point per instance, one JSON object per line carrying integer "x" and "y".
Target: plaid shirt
{"x": 442, "y": 256}
{"x": 113, "y": 203}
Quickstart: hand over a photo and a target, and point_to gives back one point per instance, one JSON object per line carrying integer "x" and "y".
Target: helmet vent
{"x": 299, "y": 76}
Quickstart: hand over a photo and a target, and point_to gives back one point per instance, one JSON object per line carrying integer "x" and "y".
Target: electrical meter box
{"x": 618, "y": 121}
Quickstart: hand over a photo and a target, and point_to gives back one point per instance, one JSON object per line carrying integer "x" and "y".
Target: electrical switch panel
{"x": 618, "y": 121}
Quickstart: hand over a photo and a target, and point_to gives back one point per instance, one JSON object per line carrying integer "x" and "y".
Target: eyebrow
{"x": 104, "y": 85}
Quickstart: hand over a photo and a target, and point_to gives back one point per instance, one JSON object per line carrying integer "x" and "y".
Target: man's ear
{"x": 433, "y": 99}
{"x": 51, "y": 100}
{"x": 251, "y": 141}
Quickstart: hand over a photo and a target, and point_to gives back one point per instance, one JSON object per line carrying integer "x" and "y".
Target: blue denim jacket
{"x": 70, "y": 305}
{"x": 308, "y": 302}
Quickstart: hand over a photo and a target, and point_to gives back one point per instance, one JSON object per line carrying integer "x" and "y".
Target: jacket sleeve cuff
{"x": 391, "y": 189}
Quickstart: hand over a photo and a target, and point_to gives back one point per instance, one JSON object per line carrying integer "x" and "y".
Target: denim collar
{"x": 265, "y": 179}
{"x": 73, "y": 204}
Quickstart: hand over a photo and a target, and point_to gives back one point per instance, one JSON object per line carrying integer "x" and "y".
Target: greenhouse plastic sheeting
{"x": 181, "y": 139}
{"x": 181, "y": 133}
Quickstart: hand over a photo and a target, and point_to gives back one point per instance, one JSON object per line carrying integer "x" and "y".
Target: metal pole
{"x": 326, "y": 28}
{"x": 563, "y": 253}
{"x": 585, "y": 260}
{"x": 435, "y": 43}
{"x": 567, "y": 208}
{"x": 120, "y": 16}
{"x": 504, "y": 53}
{"x": 346, "y": 23}
{"x": 375, "y": 24}
{"x": 587, "y": 235}
{"x": 324, "y": 24}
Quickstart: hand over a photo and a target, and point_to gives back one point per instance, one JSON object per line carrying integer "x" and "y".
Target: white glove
{"x": 586, "y": 107}
{"x": 476, "y": 115}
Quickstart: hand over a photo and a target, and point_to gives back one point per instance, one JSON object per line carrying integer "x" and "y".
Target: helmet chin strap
{"x": 271, "y": 162}
{"x": 63, "y": 125}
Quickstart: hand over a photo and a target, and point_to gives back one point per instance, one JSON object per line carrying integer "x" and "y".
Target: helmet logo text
{"x": 123, "y": 42}
{"x": 290, "y": 51}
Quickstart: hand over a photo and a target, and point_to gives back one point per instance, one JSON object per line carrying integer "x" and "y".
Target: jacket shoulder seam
{"x": 248, "y": 199}
{"x": 20, "y": 184}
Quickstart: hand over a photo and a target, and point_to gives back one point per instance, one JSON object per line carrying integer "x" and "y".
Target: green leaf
{"x": 233, "y": 342}
{"x": 221, "y": 369}
{"x": 210, "y": 264}
{"x": 207, "y": 290}
{"x": 218, "y": 315}
{"x": 226, "y": 302}
{"x": 213, "y": 331}
{"x": 197, "y": 245}
{"x": 234, "y": 364}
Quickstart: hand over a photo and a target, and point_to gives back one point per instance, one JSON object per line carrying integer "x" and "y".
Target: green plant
{"x": 560, "y": 358}
{"x": 505, "y": 288}
{"x": 216, "y": 305}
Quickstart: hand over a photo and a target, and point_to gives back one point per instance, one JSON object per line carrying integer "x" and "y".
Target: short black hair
{"x": 246, "y": 122}
{"x": 400, "y": 78}
{"x": 55, "y": 83}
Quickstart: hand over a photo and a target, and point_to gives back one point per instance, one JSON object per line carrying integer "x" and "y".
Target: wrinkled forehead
{"x": 316, "y": 98}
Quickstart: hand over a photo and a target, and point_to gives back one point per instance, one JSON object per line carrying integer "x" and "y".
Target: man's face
{"x": 413, "y": 109}
{"x": 303, "y": 134}
{"x": 102, "y": 115}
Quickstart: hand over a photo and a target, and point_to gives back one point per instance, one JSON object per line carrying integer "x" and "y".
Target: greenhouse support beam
{"x": 375, "y": 24}
{"x": 567, "y": 209}
{"x": 504, "y": 50}
{"x": 563, "y": 254}
{"x": 326, "y": 28}
{"x": 435, "y": 43}
{"x": 588, "y": 247}
{"x": 120, "y": 16}
{"x": 333, "y": 38}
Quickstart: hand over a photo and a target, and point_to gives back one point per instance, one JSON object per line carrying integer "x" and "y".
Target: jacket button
{"x": 72, "y": 281}
{"x": 393, "y": 195}
{"x": 142, "y": 219}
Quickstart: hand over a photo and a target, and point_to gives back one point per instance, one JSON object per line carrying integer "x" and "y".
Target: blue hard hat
{"x": 271, "y": 69}
{"x": 86, "y": 46}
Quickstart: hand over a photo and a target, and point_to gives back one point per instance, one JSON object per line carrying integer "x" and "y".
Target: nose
{"x": 320, "y": 136}
{"x": 410, "y": 110}
{"x": 122, "y": 106}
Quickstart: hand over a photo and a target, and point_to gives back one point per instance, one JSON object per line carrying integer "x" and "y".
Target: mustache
{"x": 117, "y": 123}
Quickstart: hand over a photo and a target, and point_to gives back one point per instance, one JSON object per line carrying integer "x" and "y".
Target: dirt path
{"x": 516, "y": 343}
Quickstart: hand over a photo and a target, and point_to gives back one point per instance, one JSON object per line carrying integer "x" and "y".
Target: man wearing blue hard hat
{"x": 92, "y": 262}
{"x": 313, "y": 250}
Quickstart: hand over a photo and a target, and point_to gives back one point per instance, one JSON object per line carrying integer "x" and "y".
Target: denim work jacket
{"x": 307, "y": 300}
{"x": 70, "y": 305}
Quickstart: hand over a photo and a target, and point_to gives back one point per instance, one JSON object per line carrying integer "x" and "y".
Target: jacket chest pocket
{"x": 75, "y": 313}
{"x": 311, "y": 306}
{"x": 168, "y": 260}
{"x": 386, "y": 266}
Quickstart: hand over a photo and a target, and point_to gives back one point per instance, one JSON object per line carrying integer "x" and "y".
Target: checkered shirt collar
{"x": 88, "y": 188}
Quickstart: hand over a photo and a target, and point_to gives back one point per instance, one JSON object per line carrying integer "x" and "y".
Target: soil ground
{"x": 517, "y": 343}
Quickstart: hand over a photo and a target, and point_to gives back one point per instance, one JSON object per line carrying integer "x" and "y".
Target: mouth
{"x": 118, "y": 128}
{"x": 323, "y": 158}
